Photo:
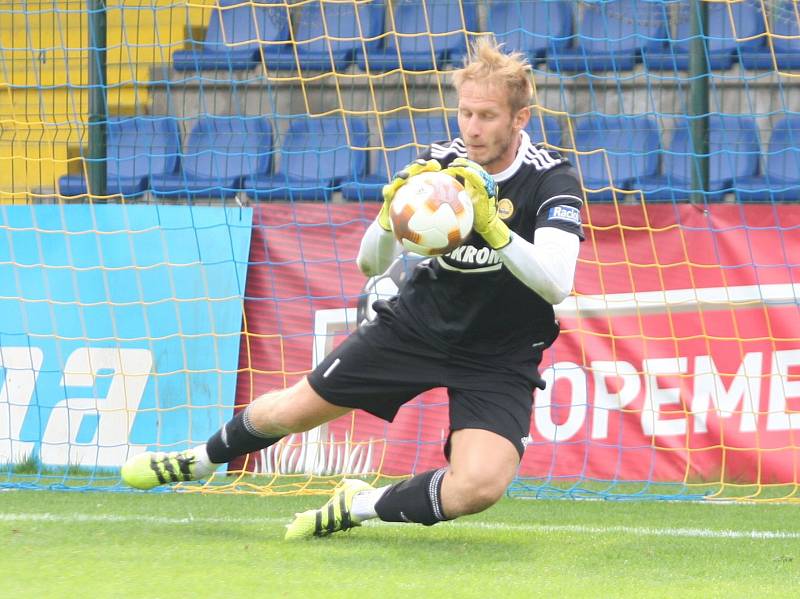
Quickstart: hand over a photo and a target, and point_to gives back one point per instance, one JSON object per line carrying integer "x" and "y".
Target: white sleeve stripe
{"x": 556, "y": 198}
{"x": 544, "y": 155}
{"x": 542, "y": 159}
{"x": 455, "y": 145}
{"x": 441, "y": 153}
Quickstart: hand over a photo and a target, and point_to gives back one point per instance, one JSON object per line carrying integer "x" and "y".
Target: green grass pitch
{"x": 163, "y": 545}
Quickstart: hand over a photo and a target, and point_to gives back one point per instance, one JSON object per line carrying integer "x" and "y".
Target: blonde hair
{"x": 489, "y": 65}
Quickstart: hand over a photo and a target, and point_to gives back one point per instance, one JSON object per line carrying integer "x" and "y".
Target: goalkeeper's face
{"x": 489, "y": 127}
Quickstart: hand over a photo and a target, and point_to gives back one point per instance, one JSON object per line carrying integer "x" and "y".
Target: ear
{"x": 522, "y": 117}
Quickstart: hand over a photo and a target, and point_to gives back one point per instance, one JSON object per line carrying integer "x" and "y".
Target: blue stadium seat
{"x": 137, "y": 148}
{"x": 330, "y": 35}
{"x": 544, "y": 127}
{"x": 403, "y": 141}
{"x": 783, "y": 22}
{"x": 236, "y": 36}
{"x": 612, "y": 35}
{"x": 781, "y": 179}
{"x": 536, "y": 30}
{"x": 219, "y": 152}
{"x": 408, "y": 50}
{"x": 733, "y": 155}
{"x": 631, "y": 145}
{"x": 318, "y": 155}
{"x": 723, "y": 49}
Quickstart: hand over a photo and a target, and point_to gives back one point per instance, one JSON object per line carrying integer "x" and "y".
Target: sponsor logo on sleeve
{"x": 565, "y": 213}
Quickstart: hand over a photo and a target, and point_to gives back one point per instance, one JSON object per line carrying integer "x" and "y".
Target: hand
{"x": 482, "y": 190}
{"x": 400, "y": 179}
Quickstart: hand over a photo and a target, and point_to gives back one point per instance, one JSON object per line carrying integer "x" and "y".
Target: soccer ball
{"x": 431, "y": 214}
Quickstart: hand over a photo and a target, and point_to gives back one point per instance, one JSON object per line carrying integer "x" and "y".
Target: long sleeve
{"x": 378, "y": 249}
{"x": 547, "y": 265}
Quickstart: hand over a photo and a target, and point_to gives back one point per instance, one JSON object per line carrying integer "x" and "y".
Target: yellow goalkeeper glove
{"x": 482, "y": 190}
{"x": 415, "y": 168}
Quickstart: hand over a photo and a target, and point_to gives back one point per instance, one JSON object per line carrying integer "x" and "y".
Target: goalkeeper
{"x": 475, "y": 321}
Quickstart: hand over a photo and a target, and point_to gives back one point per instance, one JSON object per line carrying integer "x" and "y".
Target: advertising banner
{"x": 119, "y": 328}
{"x": 678, "y": 358}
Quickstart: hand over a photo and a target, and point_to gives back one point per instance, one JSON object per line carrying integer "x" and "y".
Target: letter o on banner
{"x": 579, "y": 404}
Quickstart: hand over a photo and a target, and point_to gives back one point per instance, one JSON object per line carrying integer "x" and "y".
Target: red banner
{"x": 678, "y": 359}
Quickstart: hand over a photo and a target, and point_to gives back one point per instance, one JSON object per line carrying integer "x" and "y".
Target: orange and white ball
{"x": 431, "y": 214}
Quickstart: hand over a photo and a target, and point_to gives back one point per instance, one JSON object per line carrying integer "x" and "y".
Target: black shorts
{"x": 386, "y": 363}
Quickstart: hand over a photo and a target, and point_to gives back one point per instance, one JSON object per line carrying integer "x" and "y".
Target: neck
{"x": 508, "y": 157}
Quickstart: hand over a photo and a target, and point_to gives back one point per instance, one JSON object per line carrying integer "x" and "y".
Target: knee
{"x": 473, "y": 493}
{"x": 482, "y": 495}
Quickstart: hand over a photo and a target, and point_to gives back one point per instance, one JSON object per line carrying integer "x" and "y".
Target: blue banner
{"x": 119, "y": 328}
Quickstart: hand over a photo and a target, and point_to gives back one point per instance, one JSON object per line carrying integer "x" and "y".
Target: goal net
{"x": 183, "y": 187}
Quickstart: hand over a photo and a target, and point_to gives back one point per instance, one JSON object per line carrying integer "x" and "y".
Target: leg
{"x": 264, "y": 422}
{"x": 489, "y": 417}
{"x": 296, "y": 409}
{"x": 482, "y": 465}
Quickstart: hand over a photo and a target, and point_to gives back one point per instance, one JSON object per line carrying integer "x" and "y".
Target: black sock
{"x": 236, "y": 438}
{"x": 417, "y": 499}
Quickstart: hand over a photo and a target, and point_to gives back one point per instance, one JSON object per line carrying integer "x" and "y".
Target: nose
{"x": 472, "y": 127}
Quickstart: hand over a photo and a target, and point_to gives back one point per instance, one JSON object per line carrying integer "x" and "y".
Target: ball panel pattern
{"x": 431, "y": 214}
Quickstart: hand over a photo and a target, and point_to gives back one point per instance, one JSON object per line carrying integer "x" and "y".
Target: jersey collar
{"x": 507, "y": 173}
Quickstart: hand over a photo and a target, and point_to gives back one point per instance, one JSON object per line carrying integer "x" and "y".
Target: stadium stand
{"x": 317, "y": 155}
{"x": 535, "y": 30}
{"x": 544, "y": 128}
{"x": 631, "y": 145}
{"x": 611, "y": 36}
{"x": 733, "y": 155}
{"x": 138, "y": 148}
{"x": 424, "y": 36}
{"x": 219, "y": 152}
{"x": 785, "y": 27}
{"x": 403, "y": 139}
{"x": 330, "y": 36}
{"x": 238, "y": 31}
{"x": 727, "y": 25}
{"x": 781, "y": 178}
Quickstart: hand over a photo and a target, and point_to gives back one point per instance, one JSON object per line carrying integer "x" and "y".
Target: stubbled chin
{"x": 475, "y": 156}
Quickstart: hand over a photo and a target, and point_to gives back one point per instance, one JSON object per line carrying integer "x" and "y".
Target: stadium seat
{"x": 137, "y": 148}
{"x": 236, "y": 36}
{"x": 631, "y": 145}
{"x": 536, "y": 29}
{"x": 612, "y": 35}
{"x": 219, "y": 152}
{"x": 781, "y": 179}
{"x": 784, "y": 23}
{"x": 317, "y": 156}
{"x": 329, "y": 35}
{"x": 544, "y": 127}
{"x": 433, "y": 19}
{"x": 722, "y": 46}
{"x": 733, "y": 155}
{"x": 403, "y": 141}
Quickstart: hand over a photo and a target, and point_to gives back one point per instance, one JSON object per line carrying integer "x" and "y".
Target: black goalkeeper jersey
{"x": 468, "y": 299}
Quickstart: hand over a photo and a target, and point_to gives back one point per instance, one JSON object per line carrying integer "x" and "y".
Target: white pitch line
{"x": 141, "y": 518}
{"x": 637, "y": 531}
